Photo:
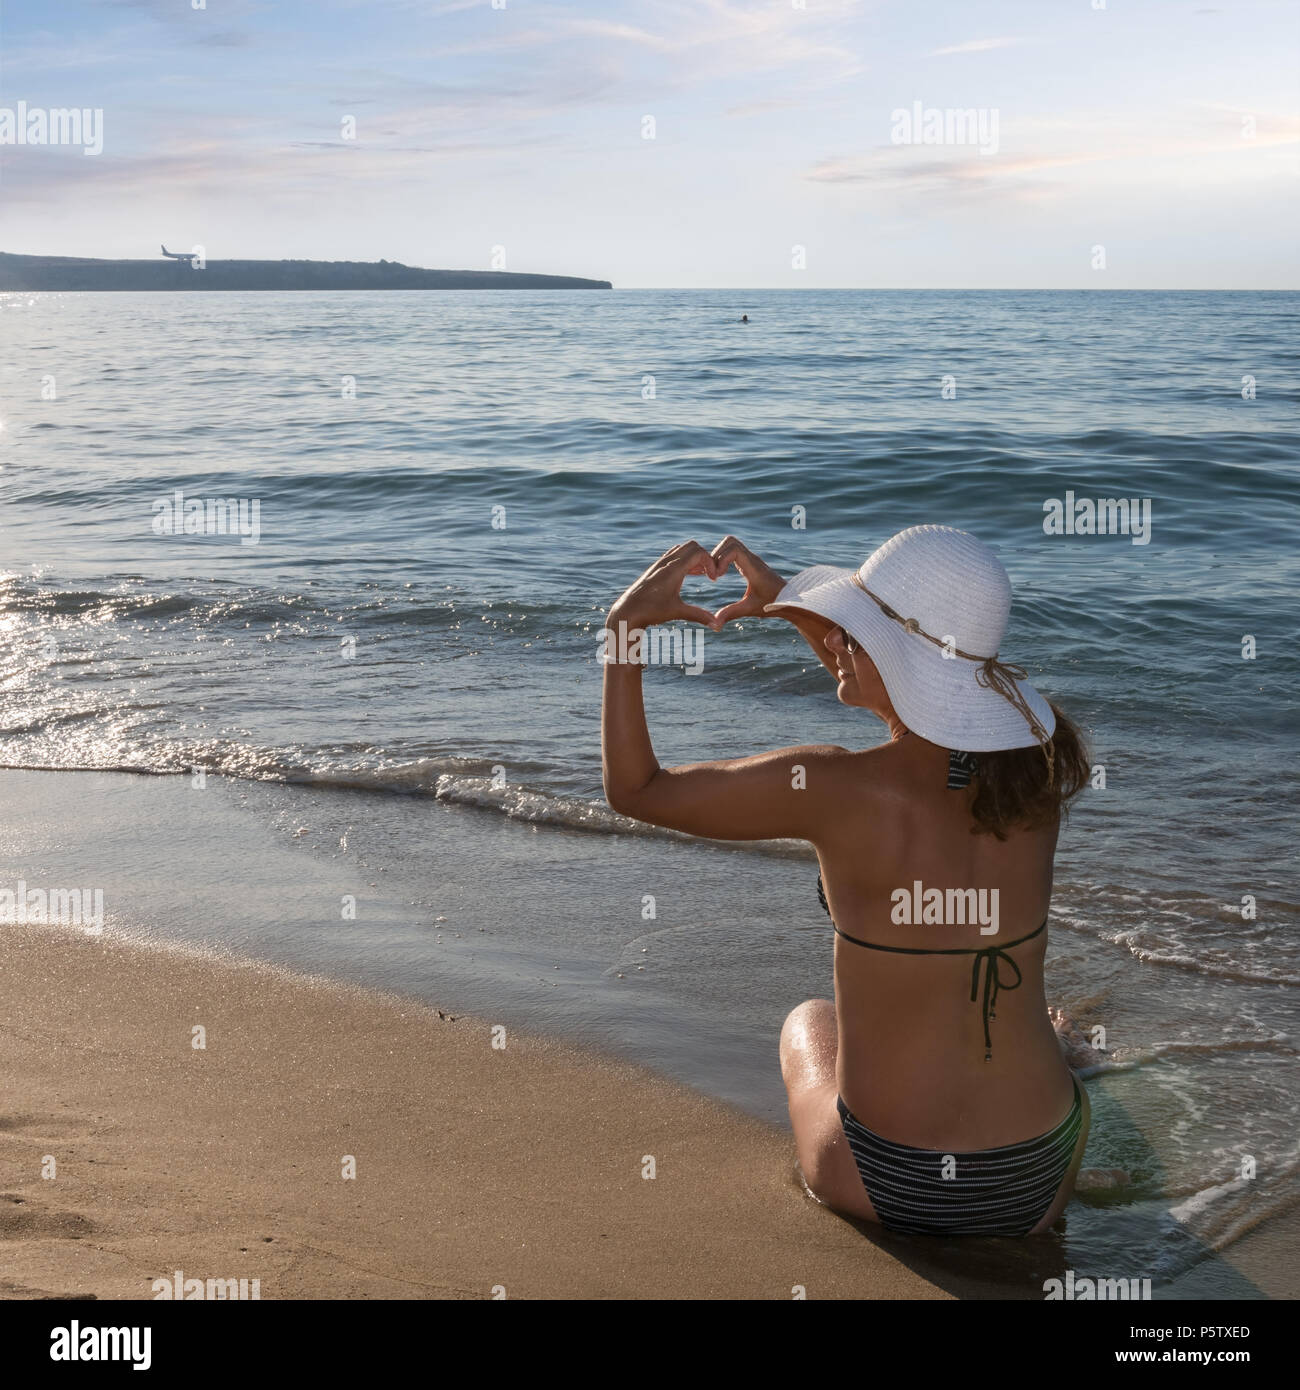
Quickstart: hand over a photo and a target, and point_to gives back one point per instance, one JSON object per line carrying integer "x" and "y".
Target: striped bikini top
{"x": 987, "y": 959}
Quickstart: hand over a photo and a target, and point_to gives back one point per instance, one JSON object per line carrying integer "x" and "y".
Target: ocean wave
{"x": 478, "y": 783}
{"x": 1217, "y": 1215}
{"x": 1133, "y": 1058}
{"x": 541, "y": 808}
{"x": 1188, "y": 959}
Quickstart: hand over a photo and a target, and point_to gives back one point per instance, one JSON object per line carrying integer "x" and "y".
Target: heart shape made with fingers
{"x": 709, "y": 569}
{"x": 748, "y": 604}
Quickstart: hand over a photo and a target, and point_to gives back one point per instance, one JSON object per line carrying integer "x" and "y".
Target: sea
{"x": 386, "y": 687}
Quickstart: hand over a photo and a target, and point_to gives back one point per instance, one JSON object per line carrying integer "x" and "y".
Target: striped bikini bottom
{"x": 1003, "y": 1191}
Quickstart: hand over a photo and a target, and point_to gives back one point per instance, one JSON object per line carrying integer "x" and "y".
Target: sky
{"x": 1117, "y": 144}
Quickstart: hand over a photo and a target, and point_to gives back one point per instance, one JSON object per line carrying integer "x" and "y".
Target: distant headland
{"x": 189, "y": 271}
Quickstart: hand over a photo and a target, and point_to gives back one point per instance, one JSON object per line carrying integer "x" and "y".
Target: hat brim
{"x": 936, "y": 696}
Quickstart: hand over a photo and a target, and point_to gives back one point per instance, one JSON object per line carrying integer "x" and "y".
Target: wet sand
{"x": 479, "y": 1169}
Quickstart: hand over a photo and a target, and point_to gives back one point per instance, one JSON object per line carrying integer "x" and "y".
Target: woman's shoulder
{"x": 862, "y": 790}
{"x": 880, "y": 762}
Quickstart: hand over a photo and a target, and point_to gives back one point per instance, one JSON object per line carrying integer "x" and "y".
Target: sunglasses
{"x": 851, "y": 643}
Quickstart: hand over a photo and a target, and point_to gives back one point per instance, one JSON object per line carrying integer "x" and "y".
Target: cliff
{"x": 61, "y": 273}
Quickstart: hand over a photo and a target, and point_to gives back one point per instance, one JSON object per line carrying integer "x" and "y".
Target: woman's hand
{"x": 657, "y": 596}
{"x": 763, "y": 583}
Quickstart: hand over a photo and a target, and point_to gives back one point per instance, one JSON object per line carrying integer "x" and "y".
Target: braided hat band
{"x": 991, "y": 674}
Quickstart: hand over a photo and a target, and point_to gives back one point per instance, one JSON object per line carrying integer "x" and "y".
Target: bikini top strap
{"x": 961, "y": 768}
{"x": 988, "y": 959}
{"x": 952, "y": 951}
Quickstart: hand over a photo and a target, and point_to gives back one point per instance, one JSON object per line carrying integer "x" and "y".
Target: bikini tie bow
{"x": 990, "y": 961}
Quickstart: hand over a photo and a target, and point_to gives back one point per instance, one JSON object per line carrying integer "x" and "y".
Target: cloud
{"x": 171, "y": 12}
{"x": 912, "y": 171}
{"x": 962, "y": 173}
{"x": 974, "y": 46}
{"x": 716, "y": 40}
{"x": 300, "y": 171}
{"x": 225, "y": 38}
{"x": 621, "y": 33}
{"x": 760, "y": 108}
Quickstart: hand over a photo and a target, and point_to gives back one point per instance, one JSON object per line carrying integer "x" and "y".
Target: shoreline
{"x": 474, "y": 1164}
{"x": 477, "y": 1167}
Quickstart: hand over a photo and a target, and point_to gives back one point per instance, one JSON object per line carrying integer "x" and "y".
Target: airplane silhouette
{"x": 178, "y": 255}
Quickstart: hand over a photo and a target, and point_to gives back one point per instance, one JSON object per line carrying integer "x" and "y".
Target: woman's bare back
{"x": 911, "y": 1061}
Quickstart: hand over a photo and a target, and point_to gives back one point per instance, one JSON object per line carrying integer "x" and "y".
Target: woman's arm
{"x": 754, "y": 798}
{"x": 628, "y": 761}
{"x": 763, "y": 797}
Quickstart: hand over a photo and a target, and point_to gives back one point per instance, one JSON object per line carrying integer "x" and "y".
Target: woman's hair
{"x": 1012, "y": 789}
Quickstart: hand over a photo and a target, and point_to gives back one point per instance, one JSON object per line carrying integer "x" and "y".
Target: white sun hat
{"x": 930, "y": 608}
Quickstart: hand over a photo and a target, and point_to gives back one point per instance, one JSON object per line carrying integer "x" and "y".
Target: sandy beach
{"x": 477, "y": 1168}
{"x": 366, "y": 935}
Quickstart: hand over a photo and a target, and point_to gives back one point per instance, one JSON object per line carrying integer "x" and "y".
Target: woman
{"x": 932, "y": 1096}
